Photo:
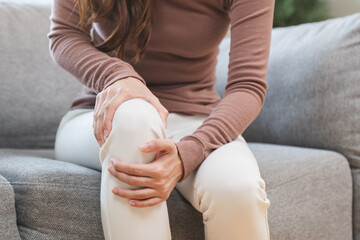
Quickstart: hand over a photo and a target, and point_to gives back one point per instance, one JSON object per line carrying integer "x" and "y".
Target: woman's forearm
{"x": 251, "y": 25}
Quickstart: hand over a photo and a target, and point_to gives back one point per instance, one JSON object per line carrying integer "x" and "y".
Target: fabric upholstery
{"x": 356, "y": 202}
{"x": 310, "y": 192}
{"x": 8, "y": 228}
{"x": 313, "y": 97}
{"x": 309, "y": 189}
{"x": 35, "y": 93}
{"x": 58, "y": 200}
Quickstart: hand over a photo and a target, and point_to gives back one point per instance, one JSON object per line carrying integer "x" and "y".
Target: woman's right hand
{"x": 109, "y": 99}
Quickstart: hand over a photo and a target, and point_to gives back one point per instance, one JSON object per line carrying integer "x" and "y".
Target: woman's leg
{"x": 75, "y": 141}
{"x": 135, "y": 121}
{"x": 227, "y": 188}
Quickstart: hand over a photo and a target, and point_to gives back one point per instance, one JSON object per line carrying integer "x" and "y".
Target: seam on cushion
{"x": 297, "y": 178}
{"x": 5, "y": 184}
{"x": 53, "y": 185}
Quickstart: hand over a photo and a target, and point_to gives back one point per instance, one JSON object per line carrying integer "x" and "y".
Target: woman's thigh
{"x": 75, "y": 141}
{"x": 230, "y": 167}
{"x": 229, "y": 191}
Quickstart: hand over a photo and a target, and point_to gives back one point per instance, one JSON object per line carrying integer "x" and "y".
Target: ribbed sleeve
{"x": 251, "y": 25}
{"x": 72, "y": 49}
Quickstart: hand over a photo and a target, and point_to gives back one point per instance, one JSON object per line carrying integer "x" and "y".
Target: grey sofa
{"x": 296, "y": 140}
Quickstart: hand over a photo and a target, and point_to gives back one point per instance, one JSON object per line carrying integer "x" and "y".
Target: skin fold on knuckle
{"x": 130, "y": 170}
{"x": 107, "y": 119}
{"x": 119, "y": 193}
{"x": 139, "y": 195}
{"x": 108, "y": 107}
{"x": 118, "y": 176}
{"x": 132, "y": 181}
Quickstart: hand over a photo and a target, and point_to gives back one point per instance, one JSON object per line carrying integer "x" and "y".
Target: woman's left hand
{"x": 157, "y": 178}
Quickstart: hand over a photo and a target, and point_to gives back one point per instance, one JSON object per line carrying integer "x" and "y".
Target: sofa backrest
{"x": 35, "y": 92}
{"x": 313, "y": 99}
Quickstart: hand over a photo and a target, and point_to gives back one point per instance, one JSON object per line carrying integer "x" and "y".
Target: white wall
{"x": 339, "y": 8}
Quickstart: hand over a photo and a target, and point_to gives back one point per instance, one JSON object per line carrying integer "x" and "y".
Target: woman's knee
{"x": 135, "y": 121}
{"x": 241, "y": 194}
{"x": 136, "y": 115}
{"x": 246, "y": 191}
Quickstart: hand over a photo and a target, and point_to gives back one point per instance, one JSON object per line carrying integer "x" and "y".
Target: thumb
{"x": 156, "y": 145}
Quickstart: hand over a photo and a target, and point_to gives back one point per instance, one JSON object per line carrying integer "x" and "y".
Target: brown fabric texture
{"x": 179, "y": 67}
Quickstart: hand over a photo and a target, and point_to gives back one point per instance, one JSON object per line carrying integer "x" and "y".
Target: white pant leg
{"x": 75, "y": 141}
{"x": 135, "y": 121}
{"x": 227, "y": 188}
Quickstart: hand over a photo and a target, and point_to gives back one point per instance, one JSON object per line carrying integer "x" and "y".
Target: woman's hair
{"x": 133, "y": 22}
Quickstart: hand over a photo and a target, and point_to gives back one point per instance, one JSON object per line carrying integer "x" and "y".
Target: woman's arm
{"x": 71, "y": 48}
{"x": 251, "y": 25}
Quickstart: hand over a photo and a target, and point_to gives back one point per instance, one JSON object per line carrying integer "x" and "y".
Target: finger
{"x": 131, "y": 179}
{"x": 157, "y": 145}
{"x": 110, "y": 109}
{"x": 96, "y": 109}
{"x": 142, "y": 193}
{"x": 136, "y": 169}
{"x": 145, "y": 203}
{"x": 99, "y": 102}
{"x": 100, "y": 123}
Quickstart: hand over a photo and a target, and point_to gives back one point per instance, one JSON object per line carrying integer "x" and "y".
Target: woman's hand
{"x": 157, "y": 178}
{"x": 108, "y": 100}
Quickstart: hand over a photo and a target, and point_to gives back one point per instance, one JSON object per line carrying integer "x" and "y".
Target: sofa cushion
{"x": 8, "y": 228}
{"x": 313, "y": 99}
{"x": 300, "y": 183}
{"x": 356, "y": 202}
{"x": 60, "y": 200}
{"x": 35, "y": 93}
{"x": 310, "y": 191}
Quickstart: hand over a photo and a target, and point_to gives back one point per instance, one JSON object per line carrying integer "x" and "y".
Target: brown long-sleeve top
{"x": 179, "y": 67}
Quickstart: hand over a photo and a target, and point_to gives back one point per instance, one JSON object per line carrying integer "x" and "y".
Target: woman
{"x": 148, "y": 115}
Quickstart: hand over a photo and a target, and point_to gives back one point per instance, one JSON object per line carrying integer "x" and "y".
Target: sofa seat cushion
{"x": 59, "y": 200}
{"x": 310, "y": 191}
{"x": 8, "y": 228}
{"x": 356, "y": 201}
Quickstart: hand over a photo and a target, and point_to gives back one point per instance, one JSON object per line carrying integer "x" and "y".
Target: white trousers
{"x": 227, "y": 188}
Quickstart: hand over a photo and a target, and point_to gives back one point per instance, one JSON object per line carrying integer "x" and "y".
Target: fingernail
{"x": 132, "y": 203}
{"x": 112, "y": 161}
{"x": 106, "y": 132}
